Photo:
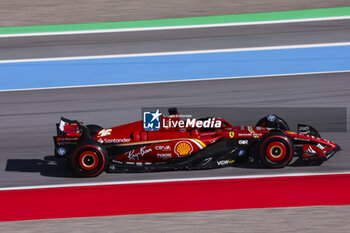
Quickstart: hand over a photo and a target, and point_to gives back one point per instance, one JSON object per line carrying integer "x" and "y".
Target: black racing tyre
{"x": 273, "y": 121}
{"x": 275, "y": 150}
{"x": 88, "y": 158}
{"x": 94, "y": 129}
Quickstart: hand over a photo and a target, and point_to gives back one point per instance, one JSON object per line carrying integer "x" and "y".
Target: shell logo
{"x": 183, "y": 148}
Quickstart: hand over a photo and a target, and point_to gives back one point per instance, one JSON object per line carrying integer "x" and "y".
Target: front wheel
{"x": 276, "y": 150}
{"x": 88, "y": 158}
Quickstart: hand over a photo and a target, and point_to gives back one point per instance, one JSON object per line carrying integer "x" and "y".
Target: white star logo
{"x": 156, "y": 115}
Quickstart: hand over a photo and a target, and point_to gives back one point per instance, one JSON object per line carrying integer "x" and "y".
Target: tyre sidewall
{"x": 274, "y": 137}
{"x": 91, "y": 148}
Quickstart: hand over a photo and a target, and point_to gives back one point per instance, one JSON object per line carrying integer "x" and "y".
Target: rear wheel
{"x": 88, "y": 158}
{"x": 276, "y": 150}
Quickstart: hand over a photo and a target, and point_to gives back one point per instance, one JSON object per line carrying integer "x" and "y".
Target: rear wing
{"x": 68, "y": 127}
{"x": 69, "y": 134}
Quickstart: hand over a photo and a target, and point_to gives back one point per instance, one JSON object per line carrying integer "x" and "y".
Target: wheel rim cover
{"x": 276, "y": 151}
{"x": 88, "y": 160}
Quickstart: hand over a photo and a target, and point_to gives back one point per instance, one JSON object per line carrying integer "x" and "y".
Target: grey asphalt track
{"x": 311, "y": 219}
{"x": 175, "y": 40}
{"x": 27, "y": 120}
{"x": 37, "y": 12}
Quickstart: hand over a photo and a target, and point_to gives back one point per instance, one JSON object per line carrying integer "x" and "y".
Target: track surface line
{"x": 175, "y": 27}
{"x": 302, "y": 46}
{"x": 180, "y": 196}
{"x": 175, "y": 81}
{"x": 171, "y": 180}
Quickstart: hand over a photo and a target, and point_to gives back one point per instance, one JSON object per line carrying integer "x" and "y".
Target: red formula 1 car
{"x": 92, "y": 149}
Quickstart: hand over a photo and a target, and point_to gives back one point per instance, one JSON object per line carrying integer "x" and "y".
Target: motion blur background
{"x": 35, "y": 112}
{"x": 36, "y": 12}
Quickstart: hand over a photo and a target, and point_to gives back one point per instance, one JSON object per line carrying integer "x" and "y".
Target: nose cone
{"x": 331, "y": 152}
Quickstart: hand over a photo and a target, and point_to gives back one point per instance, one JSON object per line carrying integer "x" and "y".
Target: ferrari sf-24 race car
{"x": 91, "y": 149}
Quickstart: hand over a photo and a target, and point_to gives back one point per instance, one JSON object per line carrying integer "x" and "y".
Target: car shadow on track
{"x": 255, "y": 163}
{"x": 49, "y": 166}
{"x": 297, "y": 162}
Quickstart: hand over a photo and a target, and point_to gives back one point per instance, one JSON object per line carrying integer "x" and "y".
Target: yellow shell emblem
{"x": 183, "y": 148}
